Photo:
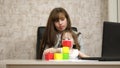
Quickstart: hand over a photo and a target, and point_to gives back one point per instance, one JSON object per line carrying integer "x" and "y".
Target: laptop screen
{"x": 111, "y": 40}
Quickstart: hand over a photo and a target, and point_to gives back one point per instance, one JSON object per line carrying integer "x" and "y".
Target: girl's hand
{"x": 82, "y": 54}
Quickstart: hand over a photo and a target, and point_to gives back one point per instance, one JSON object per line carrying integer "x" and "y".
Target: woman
{"x": 58, "y": 21}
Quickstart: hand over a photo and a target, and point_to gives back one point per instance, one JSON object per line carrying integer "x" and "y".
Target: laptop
{"x": 110, "y": 43}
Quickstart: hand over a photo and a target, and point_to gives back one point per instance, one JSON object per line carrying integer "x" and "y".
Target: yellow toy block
{"x": 58, "y": 56}
{"x": 65, "y": 50}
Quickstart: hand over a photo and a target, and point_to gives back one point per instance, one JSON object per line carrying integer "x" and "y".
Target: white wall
{"x": 118, "y": 10}
{"x": 114, "y": 10}
{"x": 19, "y": 20}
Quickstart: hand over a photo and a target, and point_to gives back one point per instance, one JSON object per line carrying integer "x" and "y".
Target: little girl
{"x": 75, "y": 49}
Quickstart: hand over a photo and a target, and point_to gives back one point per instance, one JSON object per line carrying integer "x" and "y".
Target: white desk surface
{"x": 61, "y": 62}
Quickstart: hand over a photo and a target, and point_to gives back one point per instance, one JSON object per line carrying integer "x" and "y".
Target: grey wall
{"x": 19, "y": 20}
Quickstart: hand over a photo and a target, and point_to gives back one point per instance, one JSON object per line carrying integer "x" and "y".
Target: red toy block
{"x": 66, "y": 43}
{"x": 49, "y": 56}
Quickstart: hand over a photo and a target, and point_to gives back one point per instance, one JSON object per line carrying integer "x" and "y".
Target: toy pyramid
{"x": 64, "y": 55}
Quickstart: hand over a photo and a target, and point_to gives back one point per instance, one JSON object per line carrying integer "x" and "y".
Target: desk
{"x": 60, "y": 64}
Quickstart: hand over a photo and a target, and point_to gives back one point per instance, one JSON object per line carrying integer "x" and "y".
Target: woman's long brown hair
{"x": 49, "y": 37}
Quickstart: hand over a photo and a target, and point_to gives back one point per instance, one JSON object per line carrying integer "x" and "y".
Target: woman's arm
{"x": 52, "y": 50}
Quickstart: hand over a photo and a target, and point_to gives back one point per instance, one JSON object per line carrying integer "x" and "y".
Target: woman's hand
{"x": 49, "y": 50}
{"x": 52, "y": 50}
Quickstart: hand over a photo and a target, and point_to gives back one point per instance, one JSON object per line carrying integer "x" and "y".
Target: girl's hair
{"x": 49, "y": 37}
{"x": 75, "y": 38}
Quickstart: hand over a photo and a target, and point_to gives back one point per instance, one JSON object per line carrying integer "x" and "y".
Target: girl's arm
{"x": 82, "y": 54}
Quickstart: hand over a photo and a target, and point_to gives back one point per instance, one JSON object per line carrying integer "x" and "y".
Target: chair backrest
{"x": 40, "y": 32}
{"x": 111, "y": 40}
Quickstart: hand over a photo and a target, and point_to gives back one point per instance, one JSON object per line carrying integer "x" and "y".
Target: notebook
{"x": 110, "y": 43}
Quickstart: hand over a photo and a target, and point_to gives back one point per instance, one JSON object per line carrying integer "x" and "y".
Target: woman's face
{"x": 61, "y": 24}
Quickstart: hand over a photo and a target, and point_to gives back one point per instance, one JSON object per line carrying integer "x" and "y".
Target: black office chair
{"x": 40, "y": 32}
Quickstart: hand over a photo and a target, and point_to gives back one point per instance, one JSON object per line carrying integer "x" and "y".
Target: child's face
{"x": 68, "y": 36}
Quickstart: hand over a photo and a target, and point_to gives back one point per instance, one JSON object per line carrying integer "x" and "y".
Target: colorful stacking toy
{"x": 58, "y": 56}
{"x": 67, "y": 43}
{"x": 64, "y": 55}
{"x": 49, "y": 56}
{"x": 66, "y": 49}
